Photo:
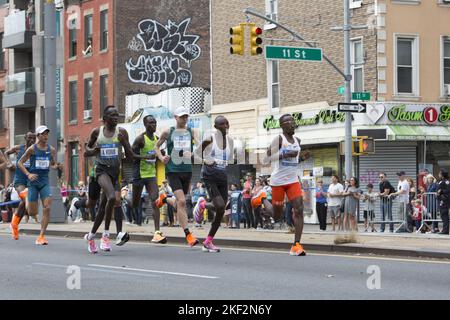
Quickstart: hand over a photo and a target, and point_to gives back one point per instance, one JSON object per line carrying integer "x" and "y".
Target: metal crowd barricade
{"x": 395, "y": 213}
{"x": 431, "y": 203}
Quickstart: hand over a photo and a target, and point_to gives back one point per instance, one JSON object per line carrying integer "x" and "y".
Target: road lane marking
{"x": 154, "y": 271}
{"x": 98, "y": 270}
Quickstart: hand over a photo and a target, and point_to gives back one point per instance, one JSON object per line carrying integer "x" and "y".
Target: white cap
{"x": 181, "y": 111}
{"x": 41, "y": 129}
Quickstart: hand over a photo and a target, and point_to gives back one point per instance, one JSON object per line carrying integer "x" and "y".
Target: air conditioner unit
{"x": 87, "y": 114}
{"x": 447, "y": 86}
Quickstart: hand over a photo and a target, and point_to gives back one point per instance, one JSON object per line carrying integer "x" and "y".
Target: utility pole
{"x": 348, "y": 91}
{"x": 57, "y": 209}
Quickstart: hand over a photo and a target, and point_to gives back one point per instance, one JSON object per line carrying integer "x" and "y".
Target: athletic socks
{"x": 105, "y": 233}
{"x": 186, "y": 231}
{"x": 209, "y": 239}
{"x": 91, "y": 236}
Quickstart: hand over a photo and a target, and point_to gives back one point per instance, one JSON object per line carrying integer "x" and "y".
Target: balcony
{"x": 18, "y": 31}
{"x": 20, "y": 90}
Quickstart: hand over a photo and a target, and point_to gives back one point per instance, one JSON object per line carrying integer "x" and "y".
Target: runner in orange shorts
{"x": 284, "y": 155}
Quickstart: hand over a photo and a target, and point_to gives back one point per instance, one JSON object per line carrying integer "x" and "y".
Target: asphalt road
{"x": 148, "y": 271}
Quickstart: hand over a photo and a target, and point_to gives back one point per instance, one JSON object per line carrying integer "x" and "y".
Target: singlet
{"x": 110, "y": 151}
{"x": 19, "y": 177}
{"x": 146, "y": 168}
{"x": 221, "y": 158}
{"x": 285, "y": 170}
{"x": 179, "y": 141}
{"x": 40, "y": 165}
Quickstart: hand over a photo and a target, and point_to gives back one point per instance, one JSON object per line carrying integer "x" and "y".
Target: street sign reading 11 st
{"x": 292, "y": 53}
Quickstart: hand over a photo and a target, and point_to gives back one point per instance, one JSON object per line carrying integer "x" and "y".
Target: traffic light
{"x": 255, "y": 40}
{"x": 355, "y": 146}
{"x": 366, "y": 145}
{"x": 237, "y": 40}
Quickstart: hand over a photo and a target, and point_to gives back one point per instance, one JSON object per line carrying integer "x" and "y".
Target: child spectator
{"x": 369, "y": 199}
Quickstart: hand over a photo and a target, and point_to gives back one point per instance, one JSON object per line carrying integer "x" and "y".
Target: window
{"x": 103, "y": 93}
{"x": 2, "y": 53}
{"x": 446, "y": 62}
{"x": 406, "y": 78}
{"x": 2, "y": 110}
{"x": 72, "y": 39}
{"x": 88, "y": 34}
{"x": 103, "y": 30}
{"x": 271, "y": 12}
{"x": 357, "y": 61}
{"x": 73, "y": 101}
{"x": 273, "y": 84}
{"x": 87, "y": 94}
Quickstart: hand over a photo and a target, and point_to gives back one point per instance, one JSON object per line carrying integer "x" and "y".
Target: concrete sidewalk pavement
{"x": 399, "y": 244}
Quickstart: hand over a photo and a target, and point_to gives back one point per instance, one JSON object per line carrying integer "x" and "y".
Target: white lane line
{"x": 98, "y": 270}
{"x": 154, "y": 271}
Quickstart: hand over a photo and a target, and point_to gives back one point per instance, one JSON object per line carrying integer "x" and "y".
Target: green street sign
{"x": 292, "y": 53}
{"x": 361, "y": 96}
{"x": 341, "y": 91}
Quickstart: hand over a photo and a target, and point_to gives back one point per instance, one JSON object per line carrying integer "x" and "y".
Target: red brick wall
{"x": 79, "y": 131}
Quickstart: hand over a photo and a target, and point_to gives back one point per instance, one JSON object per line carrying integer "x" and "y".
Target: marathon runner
{"x": 144, "y": 173}
{"x": 178, "y": 161}
{"x": 106, "y": 144}
{"x": 218, "y": 151}
{"x": 41, "y": 157}
{"x": 20, "y": 181}
{"x": 284, "y": 154}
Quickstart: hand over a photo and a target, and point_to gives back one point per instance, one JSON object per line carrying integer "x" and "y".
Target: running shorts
{"x": 293, "y": 191}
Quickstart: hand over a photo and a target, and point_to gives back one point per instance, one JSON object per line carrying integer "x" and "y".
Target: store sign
{"x": 324, "y": 116}
{"x": 430, "y": 114}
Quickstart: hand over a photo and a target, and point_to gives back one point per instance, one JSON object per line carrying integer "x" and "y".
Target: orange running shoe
{"x": 191, "y": 240}
{"x": 160, "y": 201}
{"x": 297, "y": 250}
{"x": 15, "y": 227}
{"x": 41, "y": 241}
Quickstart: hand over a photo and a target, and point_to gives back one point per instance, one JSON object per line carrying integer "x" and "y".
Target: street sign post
{"x": 352, "y": 107}
{"x": 293, "y": 53}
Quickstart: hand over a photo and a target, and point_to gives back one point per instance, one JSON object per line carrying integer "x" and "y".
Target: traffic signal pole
{"x": 346, "y": 74}
{"x": 57, "y": 209}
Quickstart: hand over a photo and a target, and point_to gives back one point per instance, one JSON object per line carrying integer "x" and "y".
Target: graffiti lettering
{"x": 135, "y": 45}
{"x": 171, "y": 39}
{"x": 159, "y": 71}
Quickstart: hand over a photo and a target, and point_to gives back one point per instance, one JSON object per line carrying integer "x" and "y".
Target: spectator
{"x": 343, "y": 223}
{"x": 30, "y": 16}
{"x": 369, "y": 199}
{"x": 403, "y": 195}
{"x": 82, "y": 197}
{"x": 247, "y": 196}
{"x": 197, "y": 192}
{"x": 88, "y": 50}
{"x": 126, "y": 197}
{"x": 267, "y": 189}
{"x": 418, "y": 212}
{"x": 386, "y": 189}
{"x": 444, "y": 199}
{"x": 352, "y": 196}
{"x": 165, "y": 188}
{"x": 321, "y": 205}
{"x": 256, "y": 191}
{"x": 430, "y": 200}
{"x": 334, "y": 194}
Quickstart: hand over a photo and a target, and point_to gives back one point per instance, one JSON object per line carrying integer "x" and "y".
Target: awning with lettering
{"x": 429, "y": 133}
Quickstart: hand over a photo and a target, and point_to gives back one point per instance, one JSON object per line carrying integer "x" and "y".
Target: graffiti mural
{"x": 175, "y": 47}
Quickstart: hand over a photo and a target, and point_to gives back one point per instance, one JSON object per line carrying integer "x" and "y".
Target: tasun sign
{"x": 418, "y": 114}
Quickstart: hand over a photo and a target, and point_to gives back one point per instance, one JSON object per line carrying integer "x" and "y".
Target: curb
{"x": 255, "y": 244}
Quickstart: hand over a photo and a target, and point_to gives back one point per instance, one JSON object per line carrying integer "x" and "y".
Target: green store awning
{"x": 429, "y": 133}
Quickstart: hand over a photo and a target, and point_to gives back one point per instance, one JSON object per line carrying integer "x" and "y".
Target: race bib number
{"x": 42, "y": 164}
{"x": 289, "y": 162}
{"x": 109, "y": 151}
{"x": 221, "y": 164}
{"x": 182, "y": 143}
{"x": 151, "y": 153}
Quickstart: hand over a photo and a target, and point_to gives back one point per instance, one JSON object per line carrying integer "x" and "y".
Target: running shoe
{"x": 122, "y": 238}
{"x": 14, "y": 226}
{"x": 105, "y": 244}
{"x": 297, "y": 250}
{"x": 160, "y": 201}
{"x": 92, "y": 247}
{"x": 159, "y": 237}
{"x": 210, "y": 247}
{"x": 191, "y": 240}
{"x": 41, "y": 241}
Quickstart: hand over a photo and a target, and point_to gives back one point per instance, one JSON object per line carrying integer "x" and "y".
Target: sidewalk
{"x": 400, "y": 244}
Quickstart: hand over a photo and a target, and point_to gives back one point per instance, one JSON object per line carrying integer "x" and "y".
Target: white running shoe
{"x": 92, "y": 247}
{"x": 105, "y": 244}
{"x": 122, "y": 238}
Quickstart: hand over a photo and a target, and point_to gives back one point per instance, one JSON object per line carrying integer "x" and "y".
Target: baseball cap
{"x": 181, "y": 111}
{"x": 401, "y": 173}
{"x": 41, "y": 129}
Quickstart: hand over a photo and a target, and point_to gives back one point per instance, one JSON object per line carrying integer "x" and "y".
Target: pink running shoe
{"x": 210, "y": 247}
{"x": 105, "y": 244}
{"x": 92, "y": 247}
